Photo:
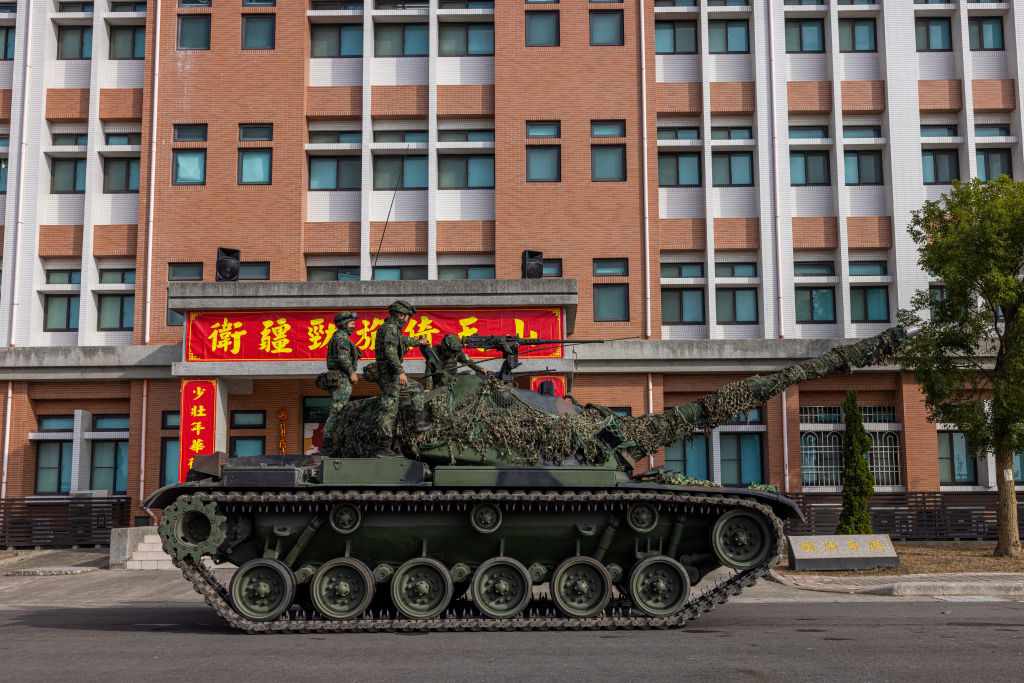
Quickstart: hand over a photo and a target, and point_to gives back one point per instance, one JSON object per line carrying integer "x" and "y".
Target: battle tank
{"x": 514, "y": 510}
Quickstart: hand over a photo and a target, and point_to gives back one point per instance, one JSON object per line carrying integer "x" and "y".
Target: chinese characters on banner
{"x": 303, "y": 334}
{"x": 198, "y": 421}
{"x": 557, "y": 380}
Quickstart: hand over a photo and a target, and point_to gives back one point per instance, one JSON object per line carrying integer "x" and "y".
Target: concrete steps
{"x": 149, "y": 554}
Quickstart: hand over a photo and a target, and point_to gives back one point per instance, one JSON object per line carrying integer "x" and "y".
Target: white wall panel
{"x": 934, "y": 192}
{"x": 6, "y": 74}
{"x": 63, "y": 209}
{"x": 115, "y": 209}
{"x": 812, "y": 200}
{"x": 990, "y": 64}
{"x": 465, "y": 70}
{"x": 400, "y": 71}
{"x": 122, "y": 73}
{"x": 808, "y": 67}
{"x": 68, "y": 73}
{"x": 684, "y": 331}
{"x": 861, "y": 66}
{"x": 867, "y": 200}
{"x": 409, "y": 205}
{"x": 677, "y": 68}
{"x": 680, "y": 202}
{"x": 730, "y": 68}
{"x": 735, "y": 202}
{"x": 328, "y": 207}
{"x": 342, "y": 71}
{"x": 465, "y": 205}
{"x": 936, "y": 65}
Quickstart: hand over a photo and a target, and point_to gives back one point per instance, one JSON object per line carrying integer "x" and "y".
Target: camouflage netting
{"x": 497, "y": 424}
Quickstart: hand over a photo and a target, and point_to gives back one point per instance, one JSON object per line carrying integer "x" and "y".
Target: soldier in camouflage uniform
{"x": 390, "y": 348}
{"x": 342, "y": 356}
{"x": 445, "y": 360}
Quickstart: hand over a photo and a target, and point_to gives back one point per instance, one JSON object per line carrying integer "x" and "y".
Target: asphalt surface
{"x": 783, "y": 640}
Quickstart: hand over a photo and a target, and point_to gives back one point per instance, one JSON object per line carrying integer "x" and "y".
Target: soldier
{"x": 445, "y": 360}
{"x": 342, "y": 356}
{"x": 390, "y": 348}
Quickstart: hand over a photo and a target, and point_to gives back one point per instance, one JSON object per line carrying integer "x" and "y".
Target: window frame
{"x": 676, "y": 157}
{"x": 250, "y": 264}
{"x": 261, "y": 16}
{"x": 733, "y": 291}
{"x": 402, "y": 187}
{"x": 956, "y": 155}
{"x": 82, "y": 42}
{"x": 979, "y": 20}
{"x": 682, "y": 308}
{"x": 123, "y": 274}
{"x": 135, "y": 37}
{"x": 68, "y": 316}
{"x": 464, "y": 159}
{"x": 861, "y": 155}
{"x": 694, "y": 25}
{"x": 53, "y": 430}
{"x": 927, "y": 21}
{"x": 604, "y": 13}
{"x": 60, "y": 445}
{"x": 165, "y": 420}
{"x": 171, "y": 265}
{"x": 986, "y": 151}
{"x": 558, "y": 28}
{"x": 405, "y": 29}
{"x": 127, "y": 174}
{"x": 337, "y": 273}
{"x": 948, "y": 433}
{"x": 803, "y": 153}
{"x": 708, "y": 464}
{"x": 464, "y": 26}
{"x": 193, "y": 19}
{"x": 164, "y": 442}
{"x": 337, "y": 173}
{"x": 731, "y": 154}
{"x": 811, "y": 289}
{"x": 864, "y": 288}
{"x": 800, "y": 24}
{"x": 624, "y": 286}
{"x": 84, "y": 167}
{"x": 174, "y": 165}
{"x": 235, "y": 439}
{"x": 558, "y": 163}
{"x": 619, "y": 179}
{"x": 245, "y": 151}
{"x": 726, "y": 22}
{"x": 739, "y": 456}
{"x": 853, "y": 21}
{"x": 234, "y": 424}
{"x": 341, "y": 42}
{"x": 92, "y": 467}
{"x": 123, "y": 296}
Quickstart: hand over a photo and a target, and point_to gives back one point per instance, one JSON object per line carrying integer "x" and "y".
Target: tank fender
{"x": 166, "y": 495}
{"x": 782, "y": 506}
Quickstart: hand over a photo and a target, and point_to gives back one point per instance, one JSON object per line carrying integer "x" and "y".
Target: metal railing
{"x": 61, "y": 522}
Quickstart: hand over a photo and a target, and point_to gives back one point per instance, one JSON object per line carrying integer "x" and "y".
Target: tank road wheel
{"x": 261, "y": 590}
{"x": 345, "y": 518}
{"x": 741, "y": 539}
{"x": 502, "y": 588}
{"x": 191, "y": 528}
{"x": 581, "y": 587}
{"x": 642, "y": 518}
{"x": 342, "y": 588}
{"x": 421, "y": 588}
{"x": 659, "y": 586}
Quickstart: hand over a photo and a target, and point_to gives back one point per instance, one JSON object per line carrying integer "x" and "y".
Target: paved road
{"x": 782, "y": 640}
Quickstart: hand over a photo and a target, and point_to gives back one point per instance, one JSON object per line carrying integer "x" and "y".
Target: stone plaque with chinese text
{"x": 864, "y": 551}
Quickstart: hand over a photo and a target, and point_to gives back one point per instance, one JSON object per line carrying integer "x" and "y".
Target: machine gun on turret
{"x": 508, "y": 345}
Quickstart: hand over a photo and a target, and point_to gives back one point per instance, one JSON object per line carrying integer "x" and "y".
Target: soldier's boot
{"x": 384, "y": 449}
{"x": 420, "y": 421}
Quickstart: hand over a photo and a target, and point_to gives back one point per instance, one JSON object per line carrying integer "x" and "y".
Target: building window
{"x": 611, "y": 267}
{"x": 736, "y": 306}
{"x": 74, "y": 42}
{"x": 732, "y": 169}
{"x": 315, "y": 408}
{"x": 68, "y": 176}
{"x": 611, "y": 303}
{"x": 400, "y": 136}
{"x": 331, "y": 273}
{"x": 543, "y": 129}
{"x": 194, "y": 32}
{"x": 61, "y": 313}
{"x": 862, "y": 132}
{"x": 805, "y": 35}
{"x": 6, "y": 42}
{"x": 993, "y": 163}
{"x": 689, "y": 457}
{"x": 808, "y": 132}
{"x": 606, "y": 27}
{"x": 246, "y": 446}
{"x": 72, "y": 139}
{"x": 400, "y": 173}
{"x": 821, "y": 458}
{"x": 863, "y": 167}
{"x": 189, "y": 167}
{"x": 543, "y": 163}
{"x": 121, "y": 139}
{"x": 542, "y": 29}
{"x": 991, "y": 130}
{"x": 111, "y": 423}
{"x": 117, "y": 276}
{"x": 170, "y": 419}
{"x": 731, "y": 133}
{"x": 400, "y": 40}
{"x": 678, "y": 133}
{"x": 184, "y": 271}
{"x": 336, "y": 40}
{"x": 333, "y": 137}
{"x": 194, "y": 3}
{"x": 117, "y": 312}
{"x": 128, "y": 7}
{"x": 868, "y": 268}
{"x": 465, "y": 171}
{"x": 675, "y": 270}
{"x": 986, "y": 33}
{"x": 264, "y": 132}
{"x": 941, "y": 166}
{"x": 679, "y": 169}
{"x": 335, "y": 173}
{"x": 809, "y": 168}
{"x": 675, "y": 37}
{"x": 127, "y": 42}
{"x": 1018, "y": 468}
{"x": 465, "y": 135}
{"x": 813, "y": 268}
{"x": 933, "y": 34}
{"x": 607, "y": 163}
{"x": 56, "y": 423}
{"x": 248, "y": 419}
{"x": 254, "y": 270}
{"x": 608, "y": 129}
{"x": 943, "y": 131}
{"x": 109, "y": 466}
{"x": 815, "y": 305}
{"x": 735, "y": 269}
{"x": 884, "y": 458}
{"x": 189, "y": 132}
{"x": 64, "y": 277}
{"x": 869, "y": 304}
{"x": 552, "y": 267}
{"x": 728, "y": 36}
{"x": 120, "y": 174}
{"x": 465, "y": 272}
{"x": 740, "y": 458}
{"x": 936, "y": 295}
{"x": 169, "y": 449}
{"x": 254, "y": 166}
{"x": 53, "y": 467}
{"x": 465, "y": 40}
{"x": 258, "y": 31}
{"x": 857, "y": 35}
{"x": 682, "y": 306}
{"x": 956, "y": 466}
{"x": 400, "y": 273}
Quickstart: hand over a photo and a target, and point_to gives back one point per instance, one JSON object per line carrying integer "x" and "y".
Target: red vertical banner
{"x": 557, "y": 380}
{"x": 198, "y": 422}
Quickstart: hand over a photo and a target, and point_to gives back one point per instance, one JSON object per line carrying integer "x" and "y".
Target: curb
{"x": 925, "y": 588}
{"x": 50, "y": 571}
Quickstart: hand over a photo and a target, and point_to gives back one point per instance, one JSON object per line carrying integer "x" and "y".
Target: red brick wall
{"x": 67, "y": 104}
{"x": 737, "y": 233}
{"x": 733, "y": 98}
{"x": 869, "y": 232}
{"x": 474, "y": 237}
{"x": 679, "y": 98}
{"x": 121, "y": 104}
{"x": 332, "y": 102}
{"x": 863, "y": 97}
{"x": 5, "y": 105}
{"x": 940, "y": 97}
{"x": 114, "y": 240}
{"x": 683, "y": 234}
{"x": 465, "y": 100}
{"x": 330, "y": 238}
{"x": 809, "y": 97}
{"x": 60, "y": 241}
{"x": 399, "y": 101}
{"x": 402, "y": 237}
{"x": 815, "y": 232}
{"x": 994, "y": 96}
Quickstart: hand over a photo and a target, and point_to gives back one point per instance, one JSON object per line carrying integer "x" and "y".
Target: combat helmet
{"x": 401, "y": 307}
{"x": 343, "y": 317}
{"x": 451, "y": 343}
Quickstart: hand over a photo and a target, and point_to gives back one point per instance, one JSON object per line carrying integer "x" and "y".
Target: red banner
{"x": 198, "y": 421}
{"x": 303, "y": 334}
{"x": 557, "y": 380}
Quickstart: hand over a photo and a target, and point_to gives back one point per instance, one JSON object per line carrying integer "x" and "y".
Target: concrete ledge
{"x": 931, "y": 588}
{"x": 69, "y": 363}
{"x": 123, "y": 543}
{"x": 50, "y": 571}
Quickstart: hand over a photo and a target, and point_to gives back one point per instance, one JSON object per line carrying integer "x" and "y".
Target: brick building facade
{"x": 727, "y": 184}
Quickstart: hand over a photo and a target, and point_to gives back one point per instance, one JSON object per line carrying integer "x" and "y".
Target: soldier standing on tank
{"x": 390, "y": 348}
{"x": 445, "y": 360}
{"x": 342, "y": 357}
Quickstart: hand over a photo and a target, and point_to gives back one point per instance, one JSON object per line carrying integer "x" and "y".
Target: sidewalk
{"x": 1001, "y": 585}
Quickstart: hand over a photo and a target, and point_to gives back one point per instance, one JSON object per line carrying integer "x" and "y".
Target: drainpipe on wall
{"x": 18, "y": 220}
{"x": 152, "y": 174}
{"x": 643, "y": 175}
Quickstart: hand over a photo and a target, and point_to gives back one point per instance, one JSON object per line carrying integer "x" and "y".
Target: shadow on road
{"x": 195, "y": 619}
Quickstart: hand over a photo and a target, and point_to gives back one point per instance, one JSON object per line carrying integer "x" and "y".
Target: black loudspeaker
{"x": 228, "y": 264}
{"x": 546, "y": 388}
{"x": 533, "y": 264}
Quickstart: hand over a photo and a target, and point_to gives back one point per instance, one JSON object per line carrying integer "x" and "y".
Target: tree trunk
{"x": 1008, "y": 544}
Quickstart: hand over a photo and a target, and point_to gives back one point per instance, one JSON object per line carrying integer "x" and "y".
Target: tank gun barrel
{"x": 508, "y": 345}
{"x": 732, "y": 400}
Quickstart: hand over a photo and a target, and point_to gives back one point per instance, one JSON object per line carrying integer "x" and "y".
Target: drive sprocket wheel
{"x": 191, "y": 528}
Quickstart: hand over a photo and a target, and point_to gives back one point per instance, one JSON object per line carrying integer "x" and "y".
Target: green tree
{"x": 858, "y": 482}
{"x": 969, "y": 356}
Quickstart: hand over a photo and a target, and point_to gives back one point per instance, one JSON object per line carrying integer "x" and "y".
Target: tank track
{"x": 618, "y": 615}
